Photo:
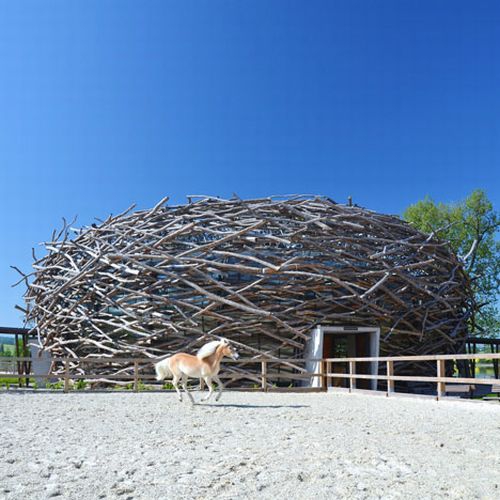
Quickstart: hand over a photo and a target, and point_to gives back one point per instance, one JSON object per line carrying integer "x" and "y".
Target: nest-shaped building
{"x": 281, "y": 277}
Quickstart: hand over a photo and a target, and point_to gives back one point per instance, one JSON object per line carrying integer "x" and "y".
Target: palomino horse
{"x": 205, "y": 365}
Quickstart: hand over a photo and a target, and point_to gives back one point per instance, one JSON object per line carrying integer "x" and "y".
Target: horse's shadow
{"x": 229, "y": 405}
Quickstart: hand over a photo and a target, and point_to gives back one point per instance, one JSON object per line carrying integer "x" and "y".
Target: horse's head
{"x": 229, "y": 351}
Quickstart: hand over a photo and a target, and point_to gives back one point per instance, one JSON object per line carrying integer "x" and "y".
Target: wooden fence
{"x": 263, "y": 377}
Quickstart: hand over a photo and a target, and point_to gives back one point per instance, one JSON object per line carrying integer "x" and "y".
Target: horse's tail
{"x": 162, "y": 369}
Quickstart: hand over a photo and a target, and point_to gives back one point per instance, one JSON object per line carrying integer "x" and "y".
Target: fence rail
{"x": 264, "y": 376}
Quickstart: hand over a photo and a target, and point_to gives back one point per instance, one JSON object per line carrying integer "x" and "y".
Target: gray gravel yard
{"x": 249, "y": 445}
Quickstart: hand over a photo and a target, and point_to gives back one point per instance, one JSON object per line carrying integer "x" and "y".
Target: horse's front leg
{"x": 220, "y": 386}
{"x": 184, "y": 386}
{"x": 208, "y": 381}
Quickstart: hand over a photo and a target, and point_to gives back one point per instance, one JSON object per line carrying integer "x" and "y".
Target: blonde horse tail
{"x": 162, "y": 369}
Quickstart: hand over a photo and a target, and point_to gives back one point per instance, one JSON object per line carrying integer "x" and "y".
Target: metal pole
{"x": 66, "y": 375}
{"x": 390, "y": 373}
{"x": 352, "y": 371}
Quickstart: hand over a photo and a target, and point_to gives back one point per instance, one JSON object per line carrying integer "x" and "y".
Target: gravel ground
{"x": 249, "y": 445}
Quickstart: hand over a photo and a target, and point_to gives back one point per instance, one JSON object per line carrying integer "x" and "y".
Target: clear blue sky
{"x": 107, "y": 103}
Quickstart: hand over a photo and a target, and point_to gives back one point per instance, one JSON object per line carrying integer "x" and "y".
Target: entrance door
{"x": 336, "y": 346}
{"x": 347, "y": 345}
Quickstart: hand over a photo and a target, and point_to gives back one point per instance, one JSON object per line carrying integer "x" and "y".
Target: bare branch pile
{"x": 260, "y": 272}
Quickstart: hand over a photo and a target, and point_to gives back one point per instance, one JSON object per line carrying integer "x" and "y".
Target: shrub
{"x": 80, "y": 384}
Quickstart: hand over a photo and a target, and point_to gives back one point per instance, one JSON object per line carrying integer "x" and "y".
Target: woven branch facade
{"x": 262, "y": 273}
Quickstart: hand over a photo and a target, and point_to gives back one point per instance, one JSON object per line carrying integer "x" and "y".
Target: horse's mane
{"x": 208, "y": 349}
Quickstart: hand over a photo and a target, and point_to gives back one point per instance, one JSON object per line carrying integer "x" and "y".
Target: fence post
{"x": 18, "y": 363}
{"x": 441, "y": 389}
{"x": 324, "y": 385}
{"x": 390, "y": 373}
{"x": 352, "y": 371}
{"x": 136, "y": 376}
{"x": 264, "y": 375}
{"x": 328, "y": 373}
{"x": 66, "y": 375}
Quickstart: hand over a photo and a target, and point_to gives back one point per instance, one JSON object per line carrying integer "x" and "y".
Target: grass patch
{"x": 8, "y": 381}
{"x": 55, "y": 386}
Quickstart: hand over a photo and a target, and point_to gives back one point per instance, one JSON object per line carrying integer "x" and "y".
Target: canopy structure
{"x": 262, "y": 273}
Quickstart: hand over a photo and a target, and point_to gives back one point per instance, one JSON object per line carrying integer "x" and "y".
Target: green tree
{"x": 471, "y": 227}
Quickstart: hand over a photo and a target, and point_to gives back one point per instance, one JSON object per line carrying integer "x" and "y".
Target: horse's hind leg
{"x": 184, "y": 386}
{"x": 175, "y": 383}
{"x": 220, "y": 386}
